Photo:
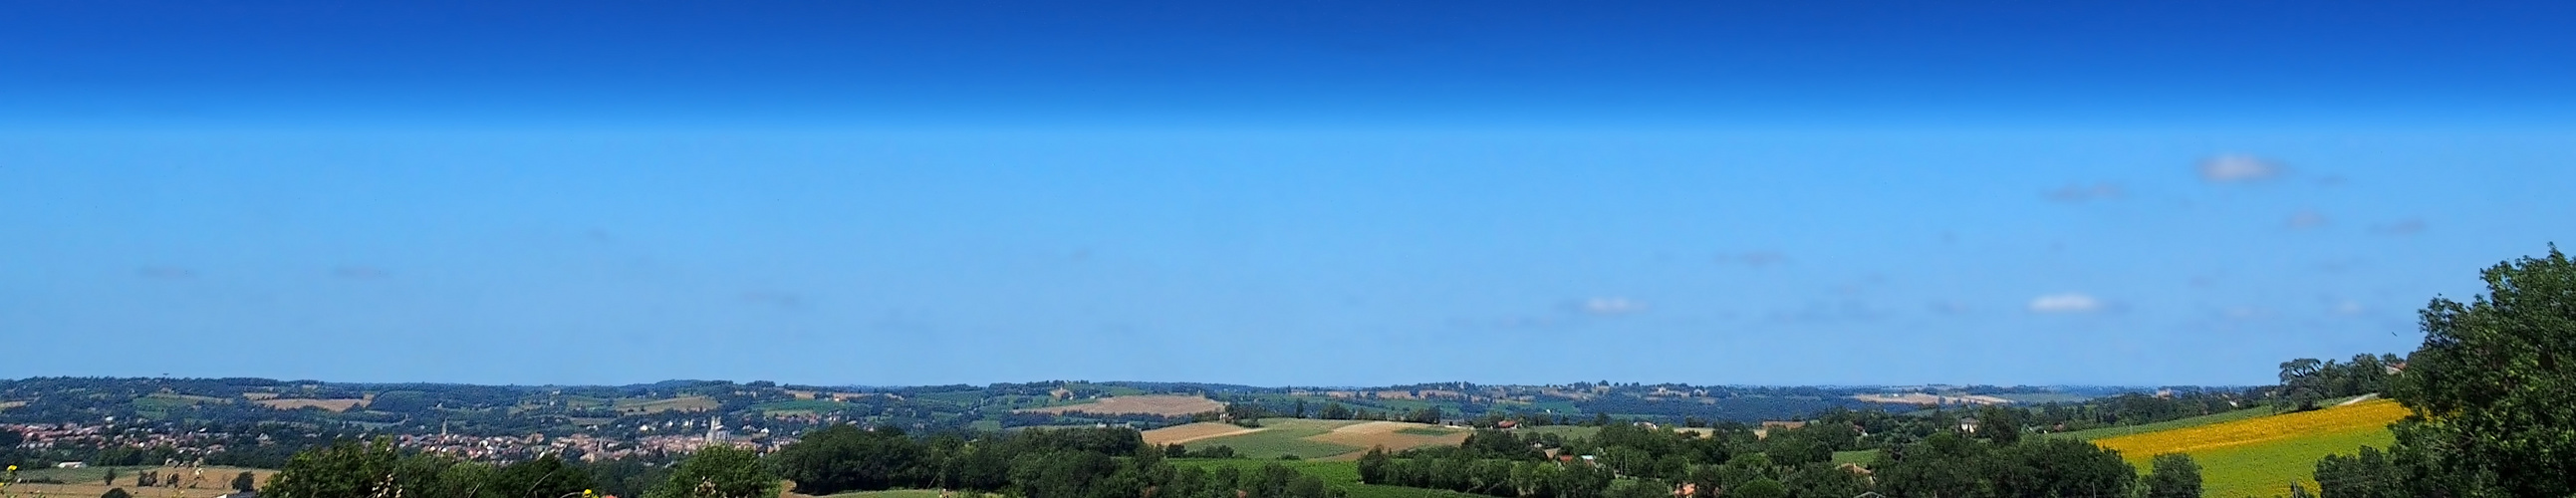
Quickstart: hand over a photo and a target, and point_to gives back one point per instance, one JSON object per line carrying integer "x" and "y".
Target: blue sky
{"x": 1308, "y": 193}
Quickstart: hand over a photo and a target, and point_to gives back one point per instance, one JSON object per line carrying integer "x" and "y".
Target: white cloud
{"x": 2306, "y": 219}
{"x": 1612, "y": 306}
{"x": 2234, "y": 168}
{"x": 2071, "y": 302}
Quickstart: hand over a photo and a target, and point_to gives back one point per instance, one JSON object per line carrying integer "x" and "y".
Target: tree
{"x": 116, "y": 493}
{"x": 716, "y": 472}
{"x": 2493, "y": 387}
{"x": 2175, "y": 476}
{"x": 543, "y": 477}
{"x": 343, "y": 470}
{"x": 843, "y": 458}
{"x": 2367, "y": 474}
{"x": 245, "y": 482}
{"x": 1759, "y": 488}
{"x": 110, "y": 480}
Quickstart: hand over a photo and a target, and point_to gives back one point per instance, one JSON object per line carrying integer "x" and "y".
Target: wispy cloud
{"x": 1756, "y": 259}
{"x": 2306, "y": 219}
{"x": 2072, "y": 193}
{"x": 2070, "y": 302}
{"x": 2239, "y": 168}
{"x": 1611, "y": 306}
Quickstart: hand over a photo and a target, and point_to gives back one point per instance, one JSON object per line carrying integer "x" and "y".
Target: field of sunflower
{"x": 2261, "y": 456}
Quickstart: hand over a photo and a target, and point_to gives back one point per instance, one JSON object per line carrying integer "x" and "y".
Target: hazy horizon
{"x": 1815, "y": 193}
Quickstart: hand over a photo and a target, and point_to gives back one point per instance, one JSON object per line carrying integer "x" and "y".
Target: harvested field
{"x": 85, "y": 482}
{"x": 4, "y": 405}
{"x": 1192, "y": 432}
{"x": 336, "y": 405}
{"x": 259, "y": 396}
{"x": 1168, "y": 406}
{"x": 1395, "y": 436}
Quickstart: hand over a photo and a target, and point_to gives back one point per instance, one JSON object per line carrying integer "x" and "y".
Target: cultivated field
{"x": 4, "y": 405}
{"x": 1192, "y": 432}
{"x": 336, "y": 405}
{"x": 1395, "y": 436}
{"x": 1164, "y": 405}
{"x": 1309, "y": 439}
{"x": 2259, "y": 456}
{"x": 634, "y": 406}
{"x": 87, "y": 482}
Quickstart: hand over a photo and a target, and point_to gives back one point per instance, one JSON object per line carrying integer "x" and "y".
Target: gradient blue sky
{"x": 1303, "y": 193}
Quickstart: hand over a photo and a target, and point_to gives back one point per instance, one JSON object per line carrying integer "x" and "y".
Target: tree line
{"x": 1033, "y": 463}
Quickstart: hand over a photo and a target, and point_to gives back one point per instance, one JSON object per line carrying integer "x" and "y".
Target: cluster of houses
{"x": 187, "y": 444}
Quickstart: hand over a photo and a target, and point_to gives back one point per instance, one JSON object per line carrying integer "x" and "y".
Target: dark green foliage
{"x": 543, "y": 477}
{"x": 116, "y": 493}
{"x": 719, "y": 472}
{"x": 2367, "y": 474}
{"x": 844, "y": 458}
{"x": 1759, "y": 488}
{"x": 245, "y": 482}
{"x": 2493, "y": 387}
{"x": 2175, "y": 476}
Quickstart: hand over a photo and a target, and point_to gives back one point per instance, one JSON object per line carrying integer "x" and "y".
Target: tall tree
{"x": 2175, "y": 476}
{"x": 2493, "y": 388}
{"x": 245, "y": 482}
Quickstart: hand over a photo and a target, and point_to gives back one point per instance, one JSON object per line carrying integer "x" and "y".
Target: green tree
{"x": 1759, "y": 488}
{"x": 718, "y": 472}
{"x": 543, "y": 477}
{"x": 2493, "y": 387}
{"x": 116, "y": 493}
{"x": 2175, "y": 476}
{"x": 344, "y": 469}
{"x": 844, "y": 458}
{"x": 245, "y": 482}
{"x": 110, "y": 479}
{"x": 2367, "y": 474}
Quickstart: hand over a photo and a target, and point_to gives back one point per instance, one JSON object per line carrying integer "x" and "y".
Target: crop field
{"x": 634, "y": 406}
{"x": 807, "y": 405}
{"x": 1395, "y": 436}
{"x": 2210, "y": 419}
{"x": 1344, "y": 476}
{"x": 2260, "y": 456}
{"x": 1164, "y": 405}
{"x": 1279, "y": 437}
{"x": 87, "y": 482}
{"x": 4, "y": 405}
{"x": 335, "y": 405}
{"x": 1185, "y": 433}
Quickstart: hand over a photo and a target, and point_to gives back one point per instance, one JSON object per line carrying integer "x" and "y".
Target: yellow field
{"x": 2260, "y": 456}
{"x": 217, "y": 480}
{"x": 1192, "y": 432}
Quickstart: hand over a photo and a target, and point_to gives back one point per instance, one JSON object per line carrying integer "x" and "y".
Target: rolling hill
{"x": 2260, "y": 456}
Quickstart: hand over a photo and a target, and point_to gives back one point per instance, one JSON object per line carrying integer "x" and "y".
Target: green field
{"x": 1858, "y": 457}
{"x": 801, "y": 405}
{"x": 2250, "y": 470}
{"x": 683, "y": 403}
{"x": 1564, "y": 431}
{"x": 1344, "y": 476}
{"x": 2214, "y": 418}
{"x": 1282, "y": 436}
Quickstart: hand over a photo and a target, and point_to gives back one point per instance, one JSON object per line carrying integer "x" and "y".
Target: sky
{"x": 1299, "y": 193}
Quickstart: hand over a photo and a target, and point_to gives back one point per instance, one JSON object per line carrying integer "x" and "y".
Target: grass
{"x": 892, "y": 493}
{"x": 2260, "y": 456}
{"x": 1564, "y": 431}
{"x": 1282, "y": 437}
{"x": 1426, "y": 431}
{"x": 1344, "y": 476}
{"x": 1858, "y": 457}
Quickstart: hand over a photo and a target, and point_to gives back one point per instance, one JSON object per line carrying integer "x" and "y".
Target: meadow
{"x": 2261, "y": 456}
{"x": 89, "y": 482}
